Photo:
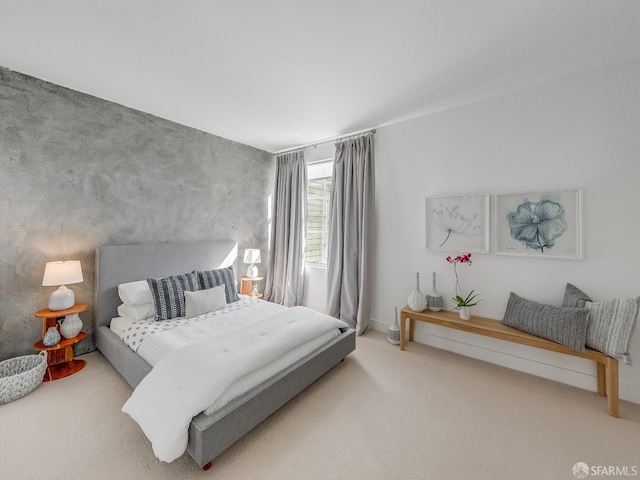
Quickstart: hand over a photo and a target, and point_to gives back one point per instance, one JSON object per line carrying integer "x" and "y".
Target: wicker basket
{"x": 20, "y": 375}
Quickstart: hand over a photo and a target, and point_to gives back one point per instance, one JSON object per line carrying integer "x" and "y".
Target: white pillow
{"x": 611, "y": 326}
{"x": 137, "y": 312}
{"x": 135, "y": 293}
{"x": 203, "y": 301}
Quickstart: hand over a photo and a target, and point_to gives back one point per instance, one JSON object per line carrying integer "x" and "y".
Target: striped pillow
{"x": 611, "y": 326}
{"x": 566, "y": 326}
{"x": 222, "y": 276}
{"x": 168, "y": 294}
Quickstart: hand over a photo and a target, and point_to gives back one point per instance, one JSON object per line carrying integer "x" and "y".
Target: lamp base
{"x": 61, "y": 299}
{"x": 252, "y": 271}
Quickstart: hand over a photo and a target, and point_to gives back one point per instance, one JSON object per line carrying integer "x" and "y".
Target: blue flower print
{"x": 537, "y": 224}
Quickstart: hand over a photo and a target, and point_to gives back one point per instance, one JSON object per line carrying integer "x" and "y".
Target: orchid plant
{"x": 469, "y": 300}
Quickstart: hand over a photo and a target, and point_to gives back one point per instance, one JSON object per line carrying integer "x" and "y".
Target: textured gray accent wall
{"x": 77, "y": 172}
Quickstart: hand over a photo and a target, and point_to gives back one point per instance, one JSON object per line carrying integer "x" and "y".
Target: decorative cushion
{"x": 135, "y": 293}
{"x": 566, "y": 326}
{"x": 168, "y": 294}
{"x": 204, "y": 301}
{"x": 222, "y": 276}
{"x": 574, "y": 297}
{"x": 137, "y": 312}
{"x": 611, "y": 326}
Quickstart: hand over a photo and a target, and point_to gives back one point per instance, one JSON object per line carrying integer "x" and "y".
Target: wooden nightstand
{"x": 60, "y": 362}
{"x": 246, "y": 285}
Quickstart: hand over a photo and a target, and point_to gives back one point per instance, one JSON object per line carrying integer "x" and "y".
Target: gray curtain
{"x": 351, "y": 229}
{"x": 285, "y": 280}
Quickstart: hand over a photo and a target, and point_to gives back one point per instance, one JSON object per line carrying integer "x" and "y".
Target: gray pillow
{"x": 611, "y": 326}
{"x": 222, "y": 276}
{"x": 574, "y": 297}
{"x": 566, "y": 326}
{"x": 168, "y": 294}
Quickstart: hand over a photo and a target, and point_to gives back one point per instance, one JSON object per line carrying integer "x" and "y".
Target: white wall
{"x": 579, "y": 133}
{"x": 315, "y": 288}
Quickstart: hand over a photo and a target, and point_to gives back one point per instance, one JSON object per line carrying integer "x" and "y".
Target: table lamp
{"x": 252, "y": 256}
{"x": 61, "y": 274}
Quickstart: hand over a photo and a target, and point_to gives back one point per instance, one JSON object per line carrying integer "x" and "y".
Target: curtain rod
{"x": 327, "y": 140}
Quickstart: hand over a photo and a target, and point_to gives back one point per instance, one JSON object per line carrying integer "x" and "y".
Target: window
{"x": 318, "y": 195}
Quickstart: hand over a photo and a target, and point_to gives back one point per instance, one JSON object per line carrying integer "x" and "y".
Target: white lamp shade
{"x": 62, "y": 273}
{"x": 252, "y": 255}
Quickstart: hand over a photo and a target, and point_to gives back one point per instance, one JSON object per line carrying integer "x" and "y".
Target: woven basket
{"x": 20, "y": 375}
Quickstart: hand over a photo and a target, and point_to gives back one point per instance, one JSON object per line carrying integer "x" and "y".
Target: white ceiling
{"x": 281, "y": 73}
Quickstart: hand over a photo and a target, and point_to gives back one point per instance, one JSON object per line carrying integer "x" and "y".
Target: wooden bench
{"x": 607, "y": 367}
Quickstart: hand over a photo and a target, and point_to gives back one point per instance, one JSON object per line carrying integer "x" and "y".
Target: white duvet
{"x": 174, "y": 392}
{"x": 153, "y": 340}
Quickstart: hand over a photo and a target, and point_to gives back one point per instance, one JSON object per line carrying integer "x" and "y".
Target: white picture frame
{"x": 522, "y": 229}
{"x": 458, "y": 223}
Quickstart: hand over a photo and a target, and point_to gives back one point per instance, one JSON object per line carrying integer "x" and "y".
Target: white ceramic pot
{"x": 465, "y": 313}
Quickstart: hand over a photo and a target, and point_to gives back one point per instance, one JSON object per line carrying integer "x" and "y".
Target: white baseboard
{"x": 572, "y": 371}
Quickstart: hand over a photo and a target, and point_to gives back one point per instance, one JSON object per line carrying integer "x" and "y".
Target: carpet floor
{"x": 382, "y": 414}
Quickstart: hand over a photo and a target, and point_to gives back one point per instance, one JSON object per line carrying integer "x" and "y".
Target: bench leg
{"x": 602, "y": 379}
{"x": 403, "y": 329}
{"x": 412, "y": 328}
{"x": 613, "y": 402}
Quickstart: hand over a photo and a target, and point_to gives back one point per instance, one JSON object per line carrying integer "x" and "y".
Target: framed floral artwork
{"x": 544, "y": 224}
{"x": 458, "y": 223}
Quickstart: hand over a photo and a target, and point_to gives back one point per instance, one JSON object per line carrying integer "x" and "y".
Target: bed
{"x": 208, "y": 435}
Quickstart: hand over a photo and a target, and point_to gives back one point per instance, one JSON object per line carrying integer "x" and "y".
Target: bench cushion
{"x": 566, "y": 326}
{"x": 611, "y": 326}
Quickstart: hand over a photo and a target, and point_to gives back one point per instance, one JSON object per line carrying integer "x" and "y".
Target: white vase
{"x": 434, "y": 299}
{"x": 393, "y": 334}
{"x": 417, "y": 301}
{"x": 71, "y": 326}
{"x": 465, "y": 313}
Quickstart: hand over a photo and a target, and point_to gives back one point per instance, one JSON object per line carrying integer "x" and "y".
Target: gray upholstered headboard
{"x": 127, "y": 263}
